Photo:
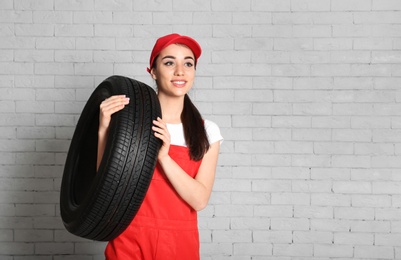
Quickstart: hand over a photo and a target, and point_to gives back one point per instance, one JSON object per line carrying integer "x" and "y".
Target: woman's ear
{"x": 152, "y": 72}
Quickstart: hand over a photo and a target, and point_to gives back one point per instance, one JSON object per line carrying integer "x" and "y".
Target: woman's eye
{"x": 168, "y": 63}
{"x": 189, "y": 64}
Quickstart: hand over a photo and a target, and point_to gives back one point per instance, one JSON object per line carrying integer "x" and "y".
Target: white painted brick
{"x": 372, "y": 44}
{"x": 387, "y": 239}
{"x": 34, "y": 56}
{"x": 312, "y": 237}
{"x": 311, "y": 161}
{"x": 291, "y": 122}
{"x": 302, "y": 250}
{"x": 230, "y": 108}
{"x": 7, "y": 132}
{"x": 251, "y": 121}
{"x": 233, "y": 236}
{"x": 208, "y": 223}
{"x": 17, "y": 145}
{"x": 334, "y": 225}
{"x": 314, "y": 212}
{"x": 6, "y": 55}
{"x": 273, "y": 236}
{"x": 271, "y": 160}
{"x": 273, "y": 211}
{"x": 34, "y": 30}
{"x": 14, "y": 248}
{"x": 352, "y": 5}
{"x": 68, "y": 30}
{"x": 311, "y": 186}
{"x": 371, "y": 226}
{"x": 119, "y": 5}
{"x": 290, "y": 224}
{"x": 6, "y": 236}
{"x": 251, "y": 198}
{"x": 333, "y": 148}
{"x": 7, "y": 4}
{"x": 386, "y": 5}
{"x": 52, "y": 17}
{"x": 233, "y": 210}
{"x": 339, "y": 200}
{"x": 386, "y": 161}
{"x": 73, "y": 5}
{"x": 291, "y": 173}
{"x": 354, "y": 213}
{"x": 38, "y": 158}
{"x": 308, "y": 5}
{"x": 330, "y": 69}
{"x": 29, "y": 235}
{"x": 311, "y": 134}
{"x": 73, "y": 56}
{"x": 108, "y": 30}
{"x": 290, "y": 199}
{"x": 8, "y": 16}
{"x": 16, "y": 222}
{"x": 17, "y": 94}
{"x": 332, "y": 44}
{"x": 94, "y": 17}
{"x": 252, "y": 223}
{"x": 371, "y": 201}
{"x": 354, "y": 83}
{"x": 352, "y": 135}
{"x": 34, "y": 107}
{"x": 293, "y": 147}
{"x": 388, "y": 214}
{"x": 272, "y": 109}
{"x": 353, "y": 239}
{"x": 54, "y": 248}
{"x": 16, "y": 68}
{"x": 391, "y": 30}
{"x": 33, "y": 5}
{"x": 260, "y": 249}
{"x": 382, "y": 252}
{"x": 374, "y": 149}
{"x": 372, "y": 175}
{"x": 16, "y": 171}
{"x": 220, "y": 249}
{"x": 322, "y": 250}
{"x": 348, "y": 187}
{"x": 315, "y": 109}
{"x": 270, "y": 5}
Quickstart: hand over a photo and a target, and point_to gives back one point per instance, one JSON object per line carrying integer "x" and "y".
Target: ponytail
{"x": 194, "y": 130}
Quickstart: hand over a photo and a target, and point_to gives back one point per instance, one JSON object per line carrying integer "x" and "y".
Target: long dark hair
{"x": 194, "y": 128}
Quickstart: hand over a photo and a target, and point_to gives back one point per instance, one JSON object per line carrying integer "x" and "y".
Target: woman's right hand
{"x": 108, "y": 107}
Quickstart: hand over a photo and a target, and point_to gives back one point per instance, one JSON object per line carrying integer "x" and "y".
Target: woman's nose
{"x": 179, "y": 70}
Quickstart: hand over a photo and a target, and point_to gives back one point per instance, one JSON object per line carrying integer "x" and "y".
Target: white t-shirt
{"x": 177, "y": 133}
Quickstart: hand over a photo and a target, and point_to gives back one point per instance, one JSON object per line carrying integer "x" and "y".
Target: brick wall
{"x": 306, "y": 92}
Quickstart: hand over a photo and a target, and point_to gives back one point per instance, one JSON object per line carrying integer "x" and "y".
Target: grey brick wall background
{"x": 306, "y": 92}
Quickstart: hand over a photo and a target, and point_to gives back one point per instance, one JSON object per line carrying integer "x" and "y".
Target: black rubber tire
{"x": 100, "y": 206}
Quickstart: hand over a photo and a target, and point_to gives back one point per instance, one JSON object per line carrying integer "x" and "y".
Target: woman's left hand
{"x": 161, "y": 132}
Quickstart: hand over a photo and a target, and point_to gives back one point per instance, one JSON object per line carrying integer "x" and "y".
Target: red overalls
{"x": 165, "y": 227}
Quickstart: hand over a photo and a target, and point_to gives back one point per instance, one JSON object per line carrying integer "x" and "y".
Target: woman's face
{"x": 175, "y": 70}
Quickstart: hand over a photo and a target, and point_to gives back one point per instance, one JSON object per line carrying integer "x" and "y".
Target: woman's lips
{"x": 179, "y": 83}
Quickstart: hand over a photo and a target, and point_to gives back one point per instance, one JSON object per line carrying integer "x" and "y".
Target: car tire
{"x": 99, "y": 205}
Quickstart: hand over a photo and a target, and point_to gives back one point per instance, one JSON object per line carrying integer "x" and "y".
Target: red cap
{"x": 169, "y": 39}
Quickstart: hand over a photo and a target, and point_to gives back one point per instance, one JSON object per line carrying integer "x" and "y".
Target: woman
{"x": 165, "y": 226}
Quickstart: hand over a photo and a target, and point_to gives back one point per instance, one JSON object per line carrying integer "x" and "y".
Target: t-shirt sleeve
{"x": 213, "y": 132}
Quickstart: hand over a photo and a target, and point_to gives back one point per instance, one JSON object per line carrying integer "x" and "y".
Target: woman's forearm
{"x": 189, "y": 189}
{"x": 101, "y": 145}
